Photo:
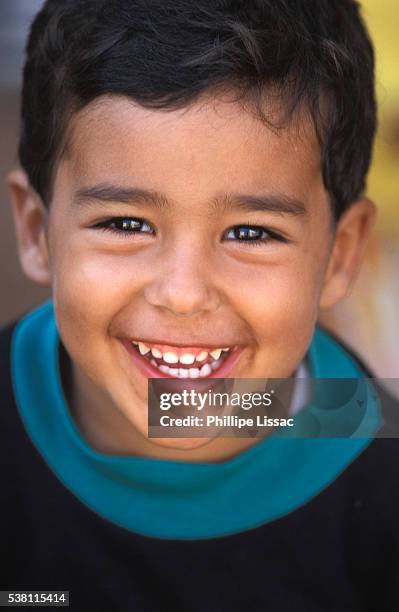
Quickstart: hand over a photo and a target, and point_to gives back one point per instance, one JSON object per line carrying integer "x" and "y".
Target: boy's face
{"x": 186, "y": 281}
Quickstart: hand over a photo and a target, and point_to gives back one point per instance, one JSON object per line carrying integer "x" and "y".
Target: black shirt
{"x": 338, "y": 551}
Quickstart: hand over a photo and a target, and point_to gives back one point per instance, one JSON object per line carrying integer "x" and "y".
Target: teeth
{"x": 216, "y": 364}
{"x": 205, "y": 370}
{"x": 187, "y": 358}
{"x": 143, "y": 348}
{"x": 170, "y": 357}
{"x": 183, "y": 372}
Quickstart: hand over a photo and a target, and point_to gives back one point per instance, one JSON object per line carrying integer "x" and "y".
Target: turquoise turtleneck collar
{"x": 177, "y": 500}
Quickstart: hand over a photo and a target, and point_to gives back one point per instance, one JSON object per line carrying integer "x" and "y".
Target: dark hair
{"x": 165, "y": 53}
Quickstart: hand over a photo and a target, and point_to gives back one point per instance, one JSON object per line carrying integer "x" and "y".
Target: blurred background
{"x": 368, "y": 320}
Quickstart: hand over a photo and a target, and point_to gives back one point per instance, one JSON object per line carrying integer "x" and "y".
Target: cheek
{"x": 280, "y": 303}
{"x": 89, "y": 290}
{"x": 285, "y": 300}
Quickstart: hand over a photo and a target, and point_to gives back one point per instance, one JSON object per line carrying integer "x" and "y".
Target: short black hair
{"x": 164, "y": 54}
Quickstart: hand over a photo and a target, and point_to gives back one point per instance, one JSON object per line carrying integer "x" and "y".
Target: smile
{"x": 160, "y": 361}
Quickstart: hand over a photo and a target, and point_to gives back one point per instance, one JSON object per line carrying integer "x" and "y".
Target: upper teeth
{"x": 143, "y": 348}
{"x": 185, "y": 358}
{"x": 169, "y": 357}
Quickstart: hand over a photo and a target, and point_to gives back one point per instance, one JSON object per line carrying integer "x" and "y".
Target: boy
{"x": 191, "y": 189}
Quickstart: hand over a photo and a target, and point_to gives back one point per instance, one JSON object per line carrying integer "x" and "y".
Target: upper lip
{"x": 180, "y": 345}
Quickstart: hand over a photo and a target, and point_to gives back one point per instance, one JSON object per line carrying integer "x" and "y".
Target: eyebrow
{"x": 105, "y": 192}
{"x": 274, "y": 203}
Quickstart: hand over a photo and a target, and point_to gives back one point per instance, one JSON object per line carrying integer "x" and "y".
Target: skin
{"x": 187, "y": 283}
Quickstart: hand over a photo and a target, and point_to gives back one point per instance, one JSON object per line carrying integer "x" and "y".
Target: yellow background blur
{"x": 382, "y": 17}
{"x": 368, "y": 320}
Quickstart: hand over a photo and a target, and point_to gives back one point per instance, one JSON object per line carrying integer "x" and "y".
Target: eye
{"x": 126, "y": 226}
{"x": 252, "y": 234}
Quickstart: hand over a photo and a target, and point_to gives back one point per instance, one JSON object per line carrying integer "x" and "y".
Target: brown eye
{"x": 126, "y": 225}
{"x": 247, "y": 232}
{"x": 252, "y": 235}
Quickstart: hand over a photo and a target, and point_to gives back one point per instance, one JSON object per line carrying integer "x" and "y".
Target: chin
{"x": 184, "y": 444}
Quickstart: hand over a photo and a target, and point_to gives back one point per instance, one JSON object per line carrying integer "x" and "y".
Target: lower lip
{"x": 150, "y": 371}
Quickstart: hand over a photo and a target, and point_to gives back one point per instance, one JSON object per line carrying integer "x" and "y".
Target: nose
{"x": 183, "y": 284}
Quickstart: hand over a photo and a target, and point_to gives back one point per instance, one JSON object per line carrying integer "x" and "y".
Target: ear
{"x": 351, "y": 235}
{"x": 30, "y": 218}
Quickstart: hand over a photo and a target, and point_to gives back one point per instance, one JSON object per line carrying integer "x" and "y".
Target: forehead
{"x": 211, "y": 145}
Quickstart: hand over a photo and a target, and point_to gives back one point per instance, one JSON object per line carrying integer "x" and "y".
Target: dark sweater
{"x": 336, "y": 551}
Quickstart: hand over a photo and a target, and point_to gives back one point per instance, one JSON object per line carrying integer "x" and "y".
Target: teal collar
{"x": 177, "y": 500}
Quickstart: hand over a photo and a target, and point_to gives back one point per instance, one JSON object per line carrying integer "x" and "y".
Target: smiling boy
{"x": 191, "y": 189}
{"x": 182, "y": 282}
